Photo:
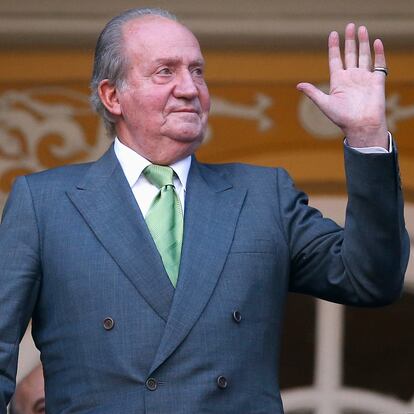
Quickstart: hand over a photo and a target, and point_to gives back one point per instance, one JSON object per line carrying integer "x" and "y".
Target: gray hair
{"x": 110, "y": 62}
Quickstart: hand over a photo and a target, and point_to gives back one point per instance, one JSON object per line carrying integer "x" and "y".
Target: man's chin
{"x": 176, "y": 148}
{"x": 187, "y": 134}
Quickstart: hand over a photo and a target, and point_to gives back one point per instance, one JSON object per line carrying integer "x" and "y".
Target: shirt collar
{"x": 133, "y": 164}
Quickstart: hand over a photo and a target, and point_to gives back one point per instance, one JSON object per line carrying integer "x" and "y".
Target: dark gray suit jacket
{"x": 115, "y": 337}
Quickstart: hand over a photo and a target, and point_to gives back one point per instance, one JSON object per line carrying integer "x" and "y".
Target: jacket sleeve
{"x": 364, "y": 262}
{"x": 19, "y": 280}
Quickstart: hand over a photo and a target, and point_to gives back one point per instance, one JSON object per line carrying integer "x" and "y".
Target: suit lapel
{"x": 107, "y": 204}
{"x": 212, "y": 208}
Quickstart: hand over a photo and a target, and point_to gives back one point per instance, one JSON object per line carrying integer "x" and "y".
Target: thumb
{"x": 316, "y": 95}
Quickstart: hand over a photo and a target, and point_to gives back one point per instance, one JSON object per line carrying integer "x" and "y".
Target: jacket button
{"x": 237, "y": 316}
{"x": 108, "y": 323}
{"x": 151, "y": 384}
{"x": 222, "y": 382}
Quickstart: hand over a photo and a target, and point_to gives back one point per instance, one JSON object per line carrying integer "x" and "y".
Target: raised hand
{"x": 356, "y": 100}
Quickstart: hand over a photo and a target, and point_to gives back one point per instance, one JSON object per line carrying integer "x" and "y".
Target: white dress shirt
{"x": 144, "y": 192}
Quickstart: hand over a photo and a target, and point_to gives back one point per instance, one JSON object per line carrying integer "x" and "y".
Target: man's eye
{"x": 164, "y": 71}
{"x": 198, "y": 72}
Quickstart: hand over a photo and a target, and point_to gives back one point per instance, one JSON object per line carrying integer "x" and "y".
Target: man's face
{"x": 164, "y": 101}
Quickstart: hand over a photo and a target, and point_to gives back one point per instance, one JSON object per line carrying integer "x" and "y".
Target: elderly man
{"x": 156, "y": 283}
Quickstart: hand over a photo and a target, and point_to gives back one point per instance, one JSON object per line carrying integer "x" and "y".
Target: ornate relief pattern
{"x": 36, "y": 134}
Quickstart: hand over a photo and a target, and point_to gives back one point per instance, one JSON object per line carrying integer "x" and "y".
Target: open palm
{"x": 356, "y": 100}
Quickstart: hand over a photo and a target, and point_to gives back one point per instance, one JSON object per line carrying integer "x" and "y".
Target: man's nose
{"x": 185, "y": 86}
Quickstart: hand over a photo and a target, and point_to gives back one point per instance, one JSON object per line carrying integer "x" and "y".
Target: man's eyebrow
{"x": 177, "y": 60}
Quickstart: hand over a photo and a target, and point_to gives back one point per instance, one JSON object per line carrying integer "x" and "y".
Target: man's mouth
{"x": 187, "y": 110}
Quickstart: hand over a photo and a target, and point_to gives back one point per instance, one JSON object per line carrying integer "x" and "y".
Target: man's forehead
{"x": 161, "y": 39}
{"x": 152, "y": 27}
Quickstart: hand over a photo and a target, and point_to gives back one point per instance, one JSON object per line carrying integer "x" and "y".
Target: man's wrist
{"x": 368, "y": 137}
{"x": 373, "y": 149}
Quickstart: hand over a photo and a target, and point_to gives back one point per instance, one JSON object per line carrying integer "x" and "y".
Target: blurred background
{"x": 335, "y": 360}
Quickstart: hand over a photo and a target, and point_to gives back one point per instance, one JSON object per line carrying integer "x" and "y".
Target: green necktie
{"x": 165, "y": 219}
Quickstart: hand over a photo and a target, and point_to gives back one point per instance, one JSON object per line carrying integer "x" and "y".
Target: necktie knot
{"x": 159, "y": 175}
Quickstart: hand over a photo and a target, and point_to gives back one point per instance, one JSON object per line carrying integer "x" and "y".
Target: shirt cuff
{"x": 374, "y": 150}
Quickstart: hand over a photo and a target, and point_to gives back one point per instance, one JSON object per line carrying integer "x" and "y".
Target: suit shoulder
{"x": 63, "y": 177}
{"x": 246, "y": 171}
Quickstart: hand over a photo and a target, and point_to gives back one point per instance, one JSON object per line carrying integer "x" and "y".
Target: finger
{"x": 350, "y": 46}
{"x": 316, "y": 95}
{"x": 364, "y": 61}
{"x": 379, "y": 56}
{"x": 335, "y": 61}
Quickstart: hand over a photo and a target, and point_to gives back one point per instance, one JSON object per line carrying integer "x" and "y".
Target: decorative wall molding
{"x": 272, "y": 24}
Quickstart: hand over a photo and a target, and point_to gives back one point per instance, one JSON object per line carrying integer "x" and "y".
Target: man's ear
{"x": 109, "y": 97}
